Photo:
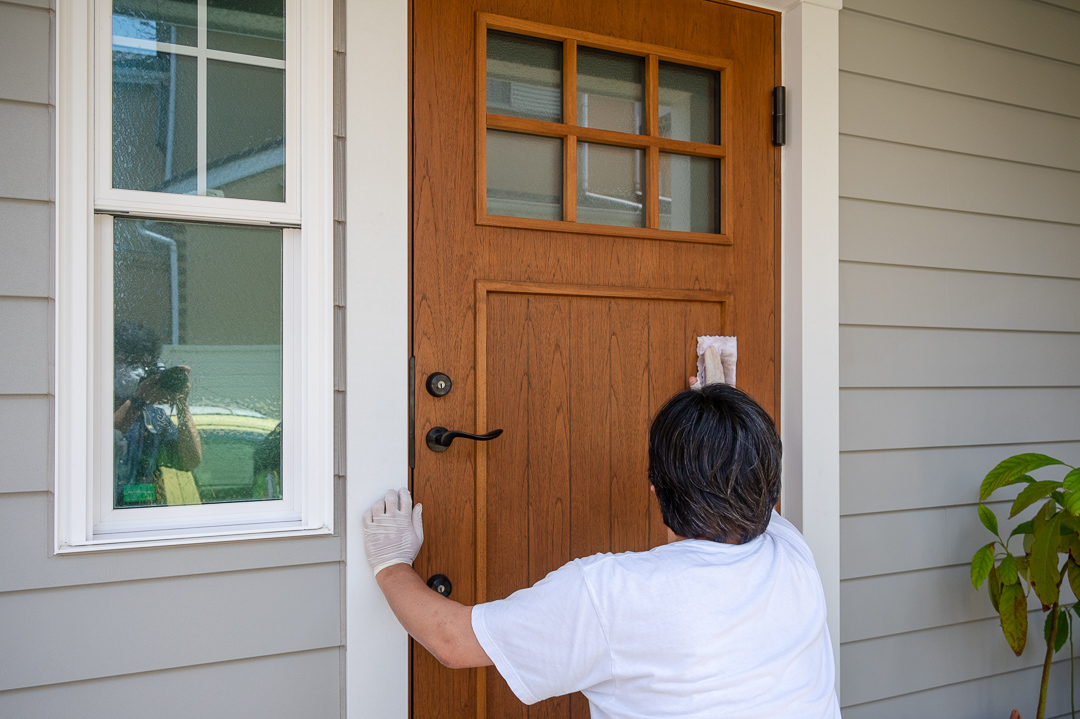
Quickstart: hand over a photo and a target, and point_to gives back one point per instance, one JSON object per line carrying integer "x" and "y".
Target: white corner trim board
{"x": 377, "y": 203}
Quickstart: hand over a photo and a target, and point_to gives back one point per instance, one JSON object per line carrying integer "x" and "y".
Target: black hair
{"x": 134, "y": 340}
{"x": 714, "y": 460}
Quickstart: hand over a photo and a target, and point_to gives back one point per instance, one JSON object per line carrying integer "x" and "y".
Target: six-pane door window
{"x": 586, "y": 136}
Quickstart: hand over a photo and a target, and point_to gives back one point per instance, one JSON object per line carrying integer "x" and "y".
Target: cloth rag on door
{"x": 716, "y": 360}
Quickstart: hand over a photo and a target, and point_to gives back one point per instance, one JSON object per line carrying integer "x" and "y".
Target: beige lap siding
{"x": 960, "y": 325}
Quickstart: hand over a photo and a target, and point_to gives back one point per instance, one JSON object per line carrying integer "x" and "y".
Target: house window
{"x": 194, "y": 334}
{"x": 589, "y": 134}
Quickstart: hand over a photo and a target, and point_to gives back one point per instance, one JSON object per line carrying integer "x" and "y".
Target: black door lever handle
{"x": 439, "y": 438}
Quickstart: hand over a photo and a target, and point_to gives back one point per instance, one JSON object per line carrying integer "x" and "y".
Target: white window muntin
{"x": 84, "y": 293}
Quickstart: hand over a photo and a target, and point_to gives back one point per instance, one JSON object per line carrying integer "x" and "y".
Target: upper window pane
{"x": 154, "y": 136}
{"x": 245, "y": 131}
{"x": 147, "y": 21}
{"x": 524, "y": 77}
{"x": 689, "y": 100}
{"x": 197, "y": 363}
{"x": 170, "y": 135}
{"x": 610, "y": 91}
{"x": 249, "y": 27}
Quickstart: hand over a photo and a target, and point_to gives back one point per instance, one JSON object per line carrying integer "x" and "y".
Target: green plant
{"x": 1011, "y": 576}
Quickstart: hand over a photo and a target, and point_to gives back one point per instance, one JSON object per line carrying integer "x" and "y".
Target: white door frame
{"x": 377, "y": 290}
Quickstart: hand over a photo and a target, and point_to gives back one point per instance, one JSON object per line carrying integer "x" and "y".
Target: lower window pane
{"x": 197, "y": 363}
{"x": 689, "y": 193}
{"x": 524, "y": 175}
{"x": 611, "y": 183}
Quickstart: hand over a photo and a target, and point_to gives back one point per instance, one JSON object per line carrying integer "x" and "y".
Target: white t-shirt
{"x": 690, "y": 629}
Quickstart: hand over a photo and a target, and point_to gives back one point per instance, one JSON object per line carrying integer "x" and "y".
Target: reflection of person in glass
{"x": 146, "y": 440}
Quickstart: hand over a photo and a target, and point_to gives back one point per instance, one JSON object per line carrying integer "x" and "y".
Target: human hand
{"x": 121, "y": 421}
{"x": 393, "y": 531}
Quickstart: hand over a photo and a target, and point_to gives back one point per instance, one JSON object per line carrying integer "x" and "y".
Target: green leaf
{"x": 988, "y": 518}
{"x": 1072, "y": 503}
{"x": 1030, "y": 495}
{"x": 1013, "y": 612}
{"x": 1073, "y": 572}
{"x": 1062, "y": 634}
{"x": 1009, "y": 471}
{"x": 1022, "y": 568}
{"x": 1071, "y": 481}
{"x": 1074, "y": 549}
{"x": 1063, "y": 627}
{"x": 1007, "y": 570}
{"x": 1045, "y": 574}
{"x": 1022, "y": 528}
{"x": 981, "y": 564}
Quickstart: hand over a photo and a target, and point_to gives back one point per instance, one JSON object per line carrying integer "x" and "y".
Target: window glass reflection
{"x": 689, "y": 193}
{"x": 524, "y": 175}
{"x": 197, "y": 363}
{"x": 610, "y": 90}
{"x": 524, "y": 76}
{"x": 611, "y": 185}
{"x": 689, "y": 103}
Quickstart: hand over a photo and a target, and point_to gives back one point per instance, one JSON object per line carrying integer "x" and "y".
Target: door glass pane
{"x": 524, "y": 77}
{"x": 611, "y": 184}
{"x": 246, "y": 27}
{"x": 610, "y": 90}
{"x": 689, "y": 103}
{"x": 154, "y": 135}
{"x": 245, "y": 133}
{"x": 524, "y": 175}
{"x": 145, "y": 21}
{"x": 689, "y": 193}
{"x": 197, "y": 363}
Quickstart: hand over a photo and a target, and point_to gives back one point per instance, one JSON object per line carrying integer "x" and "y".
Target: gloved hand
{"x": 393, "y": 531}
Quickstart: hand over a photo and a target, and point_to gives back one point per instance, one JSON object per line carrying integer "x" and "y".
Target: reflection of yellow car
{"x": 234, "y": 442}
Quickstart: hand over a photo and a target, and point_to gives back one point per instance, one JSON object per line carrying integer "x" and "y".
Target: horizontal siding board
{"x": 905, "y": 418}
{"x": 886, "y": 110}
{"x": 24, "y": 554}
{"x": 918, "y": 357}
{"x": 875, "y": 544}
{"x": 919, "y": 297}
{"x": 1073, "y": 5}
{"x": 26, "y": 156}
{"x": 922, "y": 478}
{"x": 65, "y": 635}
{"x": 940, "y": 596}
{"x": 917, "y": 661}
{"x": 925, "y": 237}
{"x": 1016, "y": 24}
{"x": 950, "y": 181}
{"x": 991, "y": 697}
{"x": 26, "y": 325}
{"x": 25, "y": 53}
{"x": 305, "y": 684}
{"x": 25, "y": 449}
{"x": 26, "y": 248}
{"x": 901, "y": 52}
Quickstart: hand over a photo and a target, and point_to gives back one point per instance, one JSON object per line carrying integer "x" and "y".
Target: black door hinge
{"x": 779, "y": 115}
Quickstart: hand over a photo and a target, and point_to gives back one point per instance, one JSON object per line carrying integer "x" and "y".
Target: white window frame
{"x": 86, "y": 205}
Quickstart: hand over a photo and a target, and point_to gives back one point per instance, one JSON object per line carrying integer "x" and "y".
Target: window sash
{"x": 86, "y": 203}
{"x": 200, "y": 207}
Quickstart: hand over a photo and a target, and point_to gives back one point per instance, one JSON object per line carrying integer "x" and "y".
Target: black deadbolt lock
{"x": 441, "y": 584}
{"x": 438, "y": 384}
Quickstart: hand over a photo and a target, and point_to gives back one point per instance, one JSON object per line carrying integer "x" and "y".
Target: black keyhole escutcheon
{"x": 438, "y": 384}
{"x": 441, "y": 584}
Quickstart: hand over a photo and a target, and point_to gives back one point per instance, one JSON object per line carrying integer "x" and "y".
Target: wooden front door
{"x": 593, "y": 186}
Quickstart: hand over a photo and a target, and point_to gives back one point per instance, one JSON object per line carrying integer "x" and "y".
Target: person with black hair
{"x": 726, "y": 620}
{"x": 145, "y": 439}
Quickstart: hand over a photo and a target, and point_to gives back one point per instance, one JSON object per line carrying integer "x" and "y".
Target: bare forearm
{"x": 442, "y": 625}
{"x": 189, "y": 444}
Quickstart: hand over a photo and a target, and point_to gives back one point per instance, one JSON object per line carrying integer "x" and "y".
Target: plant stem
{"x": 1046, "y": 664}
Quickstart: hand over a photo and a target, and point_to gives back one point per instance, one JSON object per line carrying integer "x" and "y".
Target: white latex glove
{"x": 393, "y": 531}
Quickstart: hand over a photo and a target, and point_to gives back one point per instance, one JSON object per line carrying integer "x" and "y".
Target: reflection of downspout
{"x": 174, "y": 278}
{"x": 170, "y": 134}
